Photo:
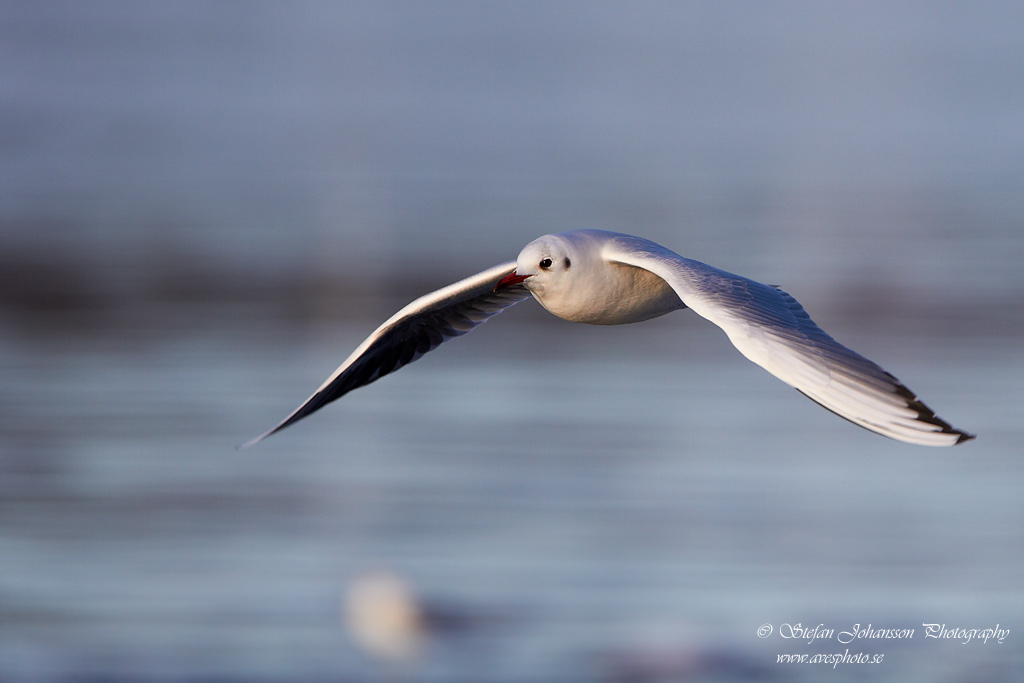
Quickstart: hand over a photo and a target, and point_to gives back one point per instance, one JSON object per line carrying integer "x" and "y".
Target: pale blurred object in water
{"x": 384, "y": 617}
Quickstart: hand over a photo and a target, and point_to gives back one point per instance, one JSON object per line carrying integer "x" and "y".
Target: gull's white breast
{"x": 614, "y": 295}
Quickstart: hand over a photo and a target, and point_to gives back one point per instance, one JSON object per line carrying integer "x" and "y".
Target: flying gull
{"x": 607, "y": 278}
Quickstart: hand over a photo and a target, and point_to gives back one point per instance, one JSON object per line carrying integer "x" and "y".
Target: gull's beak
{"x": 512, "y": 278}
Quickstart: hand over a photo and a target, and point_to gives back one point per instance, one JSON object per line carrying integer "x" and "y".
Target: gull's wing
{"x": 420, "y": 327}
{"x": 771, "y": 328}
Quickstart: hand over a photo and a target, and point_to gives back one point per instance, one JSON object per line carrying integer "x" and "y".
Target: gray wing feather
{"x": 773, "y": 330}
{"x": 420, "y": 327}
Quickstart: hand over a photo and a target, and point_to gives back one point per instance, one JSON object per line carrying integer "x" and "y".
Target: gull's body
{"x": 606, "y": 278}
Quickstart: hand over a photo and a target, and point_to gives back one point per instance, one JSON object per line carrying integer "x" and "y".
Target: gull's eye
{"x": 545, "y": 264}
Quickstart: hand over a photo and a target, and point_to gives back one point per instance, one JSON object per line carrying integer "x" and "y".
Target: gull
{"x": 607, "y": 278}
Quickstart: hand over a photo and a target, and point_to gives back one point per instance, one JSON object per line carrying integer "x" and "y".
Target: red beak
{"x": 512, "y": 278}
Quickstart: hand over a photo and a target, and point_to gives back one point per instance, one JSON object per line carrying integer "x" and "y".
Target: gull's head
{"x": 569, "y": 275}
{"x": 542, "y": 265}
{"x": 558, "y": 270}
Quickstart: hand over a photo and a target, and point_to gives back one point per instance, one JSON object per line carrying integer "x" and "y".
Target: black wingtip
{"x": 312, "y": 404}
{"x": 927, "y": 415}
{"x": 964, "y": 438}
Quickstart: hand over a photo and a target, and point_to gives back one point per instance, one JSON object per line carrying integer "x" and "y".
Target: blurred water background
{"x": 205, "y": 206}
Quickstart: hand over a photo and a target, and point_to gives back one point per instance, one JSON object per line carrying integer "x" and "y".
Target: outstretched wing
{"x": 772, "y": 329}
{"x": 420, "y": 327}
